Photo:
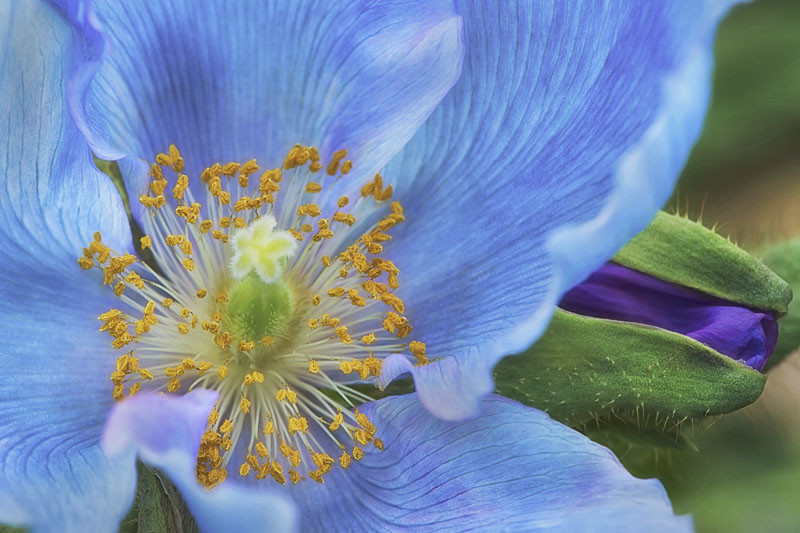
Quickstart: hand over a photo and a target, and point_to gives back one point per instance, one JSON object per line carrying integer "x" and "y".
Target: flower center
{"x": 260, "y": 297}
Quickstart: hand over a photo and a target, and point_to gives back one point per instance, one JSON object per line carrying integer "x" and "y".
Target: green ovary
{"x": 257, "y": 309}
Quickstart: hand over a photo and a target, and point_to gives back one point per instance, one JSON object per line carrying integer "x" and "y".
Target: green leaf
{"x": 784, "y": 259}
{"x": 587, "y": 368}
{"x": 684, "y": 252}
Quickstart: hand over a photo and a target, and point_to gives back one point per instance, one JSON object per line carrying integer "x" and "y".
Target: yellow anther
{"x": 244, "y": 405}
{"x": 136, "y": 387}
{"x": 378, "y": 444}
{"x": 313, "y": 367}
{"x": 261, "y": 450}
{"x": 173, "y": 240}
{"x": 221, "y": 297}
{"x": 355, "y": 298}
{"x": 373, "y": 364}
{"x": 344, "y": 459}
{"x": 266, "y": 340}
{"x": 296, "y": 234}
{"x": 186, "y": 312}
{"x": 239, "y": 222}
{"x": 187, "y": 364}
{"x": 112, "y": 314}
{"x": 313, "y": 323}
{"x": 298, "y": 423}
{"x": 119, "y": 288}
{"x": 226, "y": 427}
{"x": 183, "y": 329}
{"x": 276, "y": 471}
{"x": 269, "y": 428}
{"x": 146, "y": 374}
{"x": 203, "y": 367}
{"x": 418, "y": 349}
{"x": 368, "y": 339}
{"x": 362, "y": 436}
{"x": 244, "y": 469}
{"x": 393, "y": 300}
{"x": 229, "y": 169}
{"x": 173, "y": 385}
{"x": 358, "y": 453}
{"x": 312, "y": 187}
{"x": 163, "y": 160}
{"x": 166, "y": 302}
{"x": 347, "y": 166}
{"x": 223, "y": 340}
{"x": 222, "y": 371}
{"x": 346, "y": 367}
{"x": 325, "y": 320}
{"x": 175, "y": 157}
{"x": 246, "y": 346}
{"x": 206, "y": 225}
{"x": 336, "y": 292}
{"x": 326, "y": 261}
{"x": 188, "y": 264}
{"x": 338, "y": 420}
{"x": 315, "y": 300}
{"x": 343, "y": 335}
{"x": 345, "y": 218}
{"x": 186, "y": 247}
{"x": 145, "y": 242}
{"x": 180, "y": 186}
{"x": 119, "y": 392}
{"x": 333, "y": 166}
{"x": 85, "y": 263}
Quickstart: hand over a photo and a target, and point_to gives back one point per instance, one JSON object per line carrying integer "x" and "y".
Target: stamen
{"x": 280, "y": 310}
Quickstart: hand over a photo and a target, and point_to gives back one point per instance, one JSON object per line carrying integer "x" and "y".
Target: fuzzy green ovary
{"x": 256, "y": 309}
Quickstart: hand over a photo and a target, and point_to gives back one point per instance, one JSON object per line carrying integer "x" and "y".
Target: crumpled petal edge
{"x": 165, "y": 432}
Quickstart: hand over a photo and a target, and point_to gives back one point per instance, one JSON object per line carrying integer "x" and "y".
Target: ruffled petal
{"x": 560, "y": 141}
{"x": 54, "y": 388}
{"x": 165, "y": 432}
{"x": 510, "y": 469}
{"x": 234, "y": 81}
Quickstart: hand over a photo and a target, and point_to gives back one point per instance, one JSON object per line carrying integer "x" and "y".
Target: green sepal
{"x": 587, "y": 368}
{"x": 684, "y": 252}
{"x": 784, "y": 260}
{"x": 158, "y": 507}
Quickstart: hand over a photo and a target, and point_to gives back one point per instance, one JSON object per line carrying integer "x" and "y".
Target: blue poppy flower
{"x": 521, "y": 146}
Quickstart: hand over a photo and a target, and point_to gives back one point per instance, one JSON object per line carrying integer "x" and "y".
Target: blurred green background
{"x": 741, "y": 473}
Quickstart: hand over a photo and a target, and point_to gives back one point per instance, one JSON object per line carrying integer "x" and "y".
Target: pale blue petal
{"x": 54, "y": 388}
{"x": 238, "y": 80}
{"x": 510, "y": 469}
{"x": 165, "y": 432}
{"x": 564, "y": 135}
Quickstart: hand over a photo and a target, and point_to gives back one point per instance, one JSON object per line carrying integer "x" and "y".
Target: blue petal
{"x": 511, "y": 469}
{"x": 560, "y": 141}
{"x": 233, "y": 81}
{"x": 165, "y": 432}
{"x": 54, "y": 388}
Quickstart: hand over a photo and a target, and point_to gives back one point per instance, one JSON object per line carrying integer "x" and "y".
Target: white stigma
{"x": 261, "y": 248}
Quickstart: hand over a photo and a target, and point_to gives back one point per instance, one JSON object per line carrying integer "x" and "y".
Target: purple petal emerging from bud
{"x": 618, "y": 293}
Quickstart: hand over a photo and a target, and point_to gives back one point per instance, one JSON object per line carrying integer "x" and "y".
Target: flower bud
{"x": 678, "y": 325}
